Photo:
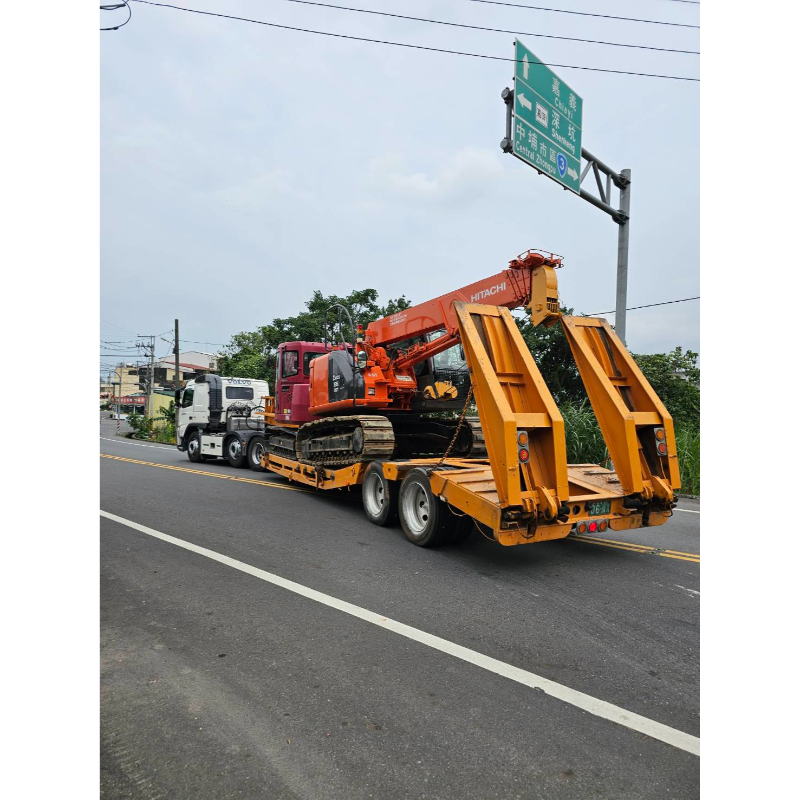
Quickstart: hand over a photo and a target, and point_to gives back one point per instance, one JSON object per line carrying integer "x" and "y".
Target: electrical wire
{"x": 411, "y": 46}
{"x": 115, "y": 7}
{"x": 650, "y": 305}
{"x": 584, "y": 13}
{"x": 493, "y": 30}
{"x": 117, "y": 326}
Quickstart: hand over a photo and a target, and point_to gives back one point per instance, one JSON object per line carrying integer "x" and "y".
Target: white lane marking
{"x": 138, "y": 444}
{"x": 600, "y": 708}
{"x": 691, "y": 591}
{"x": 686, "y": 510}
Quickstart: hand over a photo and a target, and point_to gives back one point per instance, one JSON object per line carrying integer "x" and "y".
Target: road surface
{"x": 218, "y": 681}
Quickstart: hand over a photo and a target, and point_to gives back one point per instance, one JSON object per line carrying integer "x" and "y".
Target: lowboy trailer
{"x": 510, "y": 479}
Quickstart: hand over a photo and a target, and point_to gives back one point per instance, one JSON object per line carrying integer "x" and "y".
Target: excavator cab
{"x": 292, "y": 381}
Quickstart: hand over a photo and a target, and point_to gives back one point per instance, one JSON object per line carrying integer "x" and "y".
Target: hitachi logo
{"x": 488, "y": 292}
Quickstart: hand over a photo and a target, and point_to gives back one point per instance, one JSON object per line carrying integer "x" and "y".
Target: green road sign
{"x": 548, "y": 120}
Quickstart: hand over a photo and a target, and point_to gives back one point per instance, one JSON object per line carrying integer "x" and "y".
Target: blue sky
{"x": 242, "y": 167}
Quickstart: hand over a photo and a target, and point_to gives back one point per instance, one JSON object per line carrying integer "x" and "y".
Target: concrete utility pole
{"x": 151, "y": 370}
{"x": 177, "y": 353}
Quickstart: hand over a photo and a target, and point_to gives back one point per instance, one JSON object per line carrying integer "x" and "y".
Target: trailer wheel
{"x": 234, "y": 452}
{"x": 425, "y": 519}
{"x": 255, "y": 449}
{"x": 379, "y": 496}
{"x": 193, "y": 449}
{"x": 460, "y": 527}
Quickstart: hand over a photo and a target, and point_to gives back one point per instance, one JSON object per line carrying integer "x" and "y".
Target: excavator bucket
{"x": 523, "y": 427}
{"x": 636, "y": 426}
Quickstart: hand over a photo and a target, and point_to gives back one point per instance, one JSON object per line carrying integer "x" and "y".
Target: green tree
{"x": 553, "y": 356}
{"x": 251, "y": 354}
{"x": 675, "y": 377}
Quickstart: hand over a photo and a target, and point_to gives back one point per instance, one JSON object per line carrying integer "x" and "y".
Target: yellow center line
{"x": 638, "y": 548}
{"x": 202, "y": 472}
{"x": 631, "y": 547}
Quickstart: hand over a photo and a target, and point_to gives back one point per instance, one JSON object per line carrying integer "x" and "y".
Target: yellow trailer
{"x": 524, "y": 491}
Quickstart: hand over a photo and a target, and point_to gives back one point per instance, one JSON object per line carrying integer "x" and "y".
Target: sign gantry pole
{"x": 544, "y": 127}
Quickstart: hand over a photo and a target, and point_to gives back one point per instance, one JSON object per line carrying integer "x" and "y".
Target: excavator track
{"x": 342, "y": 441}
{"x": 478, "y": 449}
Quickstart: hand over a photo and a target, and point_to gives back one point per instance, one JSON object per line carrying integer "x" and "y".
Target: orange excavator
{"x": 366, "y": 395}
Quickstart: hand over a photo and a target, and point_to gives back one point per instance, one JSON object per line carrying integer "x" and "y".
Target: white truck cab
{"x": 216, "y": 420}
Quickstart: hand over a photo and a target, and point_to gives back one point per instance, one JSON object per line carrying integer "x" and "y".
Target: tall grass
{"x": 585, "y": 444}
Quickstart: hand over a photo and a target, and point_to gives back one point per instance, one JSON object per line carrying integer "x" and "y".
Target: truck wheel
{"x": 379, "y": 496}
{"x": 234, "y": 452}
{"x": 255, "y": 449}
{"x": 423, "y": 516}
{"x": 193, "y": 449}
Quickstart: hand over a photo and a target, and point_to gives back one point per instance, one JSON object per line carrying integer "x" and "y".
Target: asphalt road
{"x": 216, "y": 684}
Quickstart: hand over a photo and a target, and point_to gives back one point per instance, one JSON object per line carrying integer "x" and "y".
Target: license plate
{"x": 599, "y": 507}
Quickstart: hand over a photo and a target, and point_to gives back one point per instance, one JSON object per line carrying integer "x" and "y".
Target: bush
{"x": 141, "y": 424}
{"x": 585, "y": 444}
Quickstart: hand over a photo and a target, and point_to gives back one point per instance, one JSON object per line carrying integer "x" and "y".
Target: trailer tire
{"x": 233, "y": 451}
{"x": 193, "y": 448}
{"x": 255, "y": 447}
{"x": 460, "y": 527}
{"x": 425, "y": 519}
{"x": 379, "y": 496}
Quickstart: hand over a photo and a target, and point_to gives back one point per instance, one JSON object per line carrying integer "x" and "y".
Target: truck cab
{"x": 216, "y": 419}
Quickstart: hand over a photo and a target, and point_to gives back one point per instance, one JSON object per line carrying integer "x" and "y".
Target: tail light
{"x": 523, "y": 443}
{"x": 661, "y": 441}
{"x": 593, "y": 526}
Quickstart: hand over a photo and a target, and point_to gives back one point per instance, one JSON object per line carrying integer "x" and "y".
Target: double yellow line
{"x": 629, "y": 546}
{"x": 638, "y": 548}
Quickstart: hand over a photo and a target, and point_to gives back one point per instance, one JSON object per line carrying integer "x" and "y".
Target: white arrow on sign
{"x": 525, "y": 102}
{"x": 525, "y": 66}
{"x": 571, "y": 172}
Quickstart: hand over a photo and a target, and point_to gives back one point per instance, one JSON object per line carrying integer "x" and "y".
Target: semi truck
{"x": 217, "y": 418}
{"x": 369, "y": 409}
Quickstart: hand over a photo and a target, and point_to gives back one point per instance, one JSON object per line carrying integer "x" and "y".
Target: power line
{"x": 117, "y": 326}
{"x": 115, "y": 7}
{"x": 493, "y": 30}
{"x": 584, "y": 13}
{"x": 651, "y": 305}
{"x": 411, "y": 46}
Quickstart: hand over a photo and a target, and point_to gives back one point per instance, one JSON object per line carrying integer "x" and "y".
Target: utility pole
{"x": 151, "y": 370}
{"x": 177, "y": 353}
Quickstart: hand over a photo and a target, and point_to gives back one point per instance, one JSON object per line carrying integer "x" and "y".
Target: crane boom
{"x": 511, "y": 288}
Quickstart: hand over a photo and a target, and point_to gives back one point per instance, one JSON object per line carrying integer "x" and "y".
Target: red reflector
{"x": 524, "y": 455}
{"x": 662, "y": 448}
{"x": 592, "y": 526}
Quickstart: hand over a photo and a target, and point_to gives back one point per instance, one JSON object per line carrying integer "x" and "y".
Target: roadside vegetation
{"x": 154, "y": 429}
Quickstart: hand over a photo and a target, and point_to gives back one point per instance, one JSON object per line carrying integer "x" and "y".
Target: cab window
{"x": 289, "y": 364}
{"x": 238, "y": 392}
{"x": 307, "y": 359}
{"x": 187, "y": 401}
